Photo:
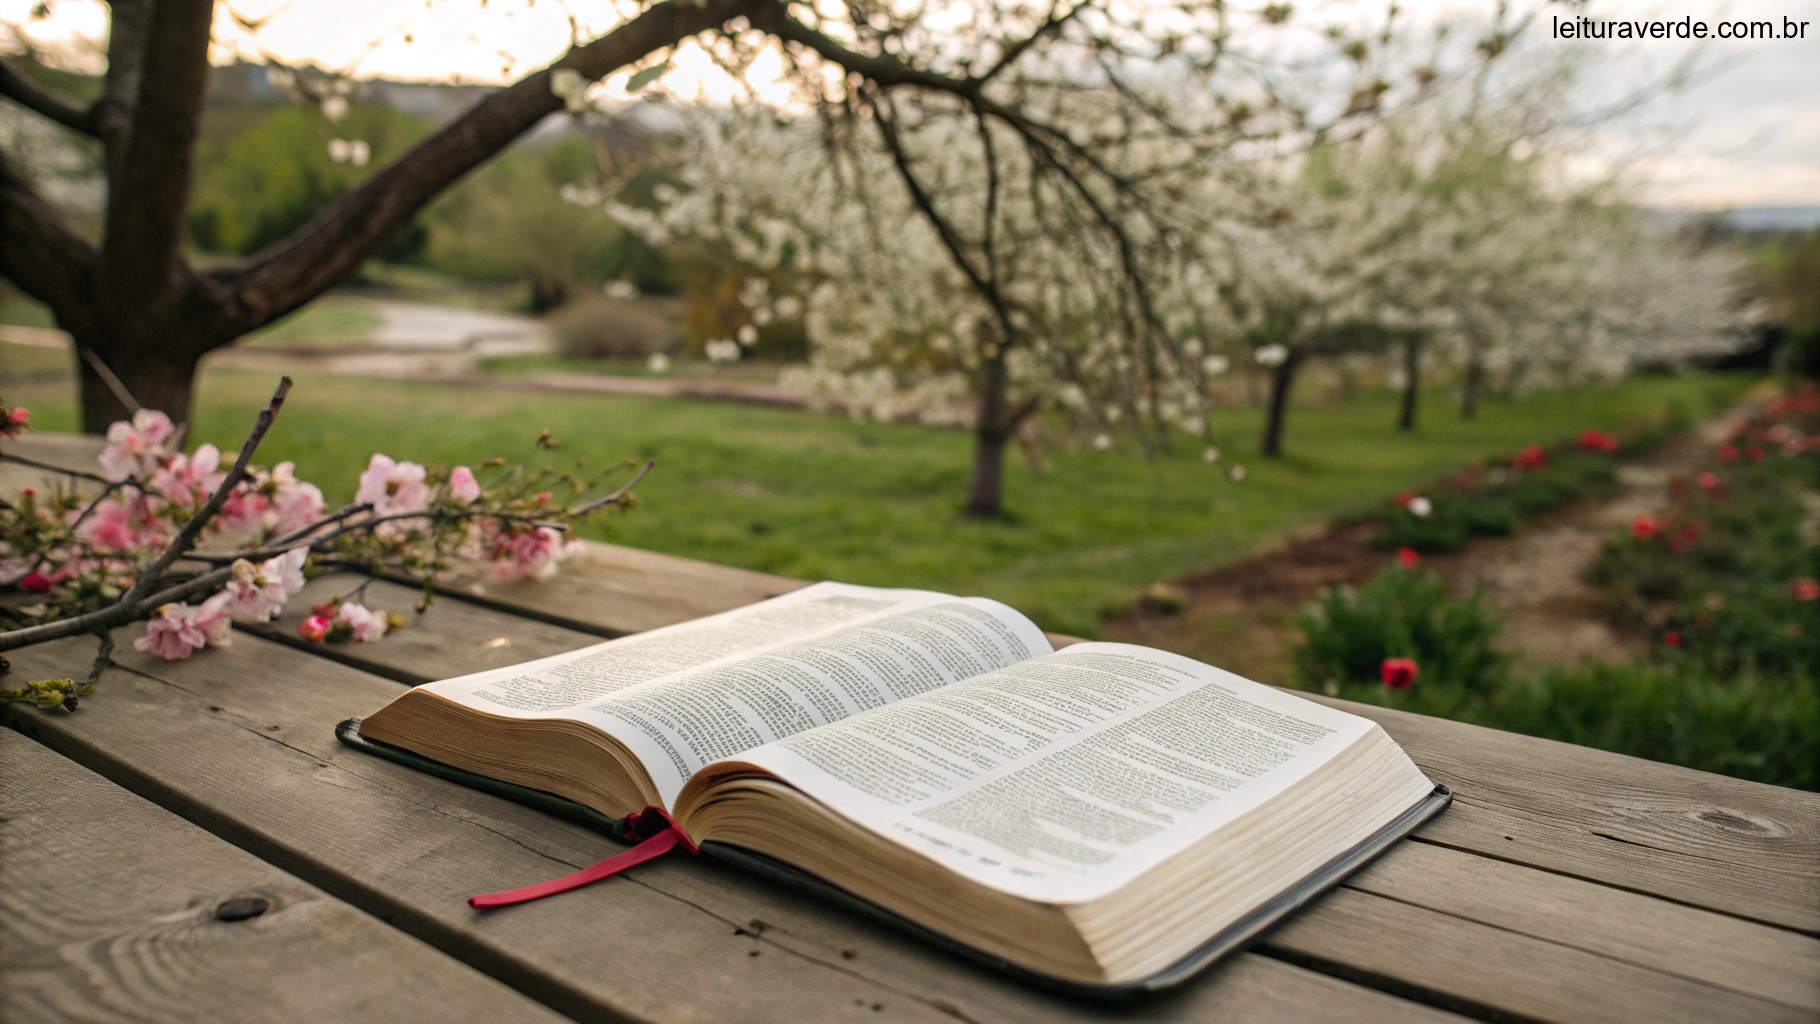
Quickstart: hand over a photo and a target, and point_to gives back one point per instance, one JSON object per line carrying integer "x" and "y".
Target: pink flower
{"x": 314, "y": 629}
{"x": 1804, "y": 589}
{"x": 1728, "y": 453}
{"x": 364, "y": 624}
{"x": 124, "y": 526}
{"x": 294, "y": 503}
{"x": 462, "y": 485}
{"x": 180, "y": 630}
{"x": 134, "y": 449}
{"x": 1407, "y": 557}
{"x": 14, "y": 421}
{"x": 257, "y": 593}
{"x": 187, "y": 480}
{"x": 1644, "y": 528}
{"x": 392, "y": 487}
{"x": 1707, "y": 481}
{"x": 35, "y": 582}
{"x": 1399, "y": 673}
{"x": 528, "y": 554}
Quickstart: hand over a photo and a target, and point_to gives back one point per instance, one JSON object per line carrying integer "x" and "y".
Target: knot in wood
{"x": 241, "y": 908}
{"x": 1740, "y": 822}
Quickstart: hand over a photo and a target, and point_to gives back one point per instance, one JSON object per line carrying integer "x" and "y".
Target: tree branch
{"x": 27, "y": 93}
{"x": 334, "y": 242}
{"x": 40, "y": 253}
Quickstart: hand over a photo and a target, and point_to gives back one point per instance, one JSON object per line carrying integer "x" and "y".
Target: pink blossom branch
{"x": 117, "y": 614}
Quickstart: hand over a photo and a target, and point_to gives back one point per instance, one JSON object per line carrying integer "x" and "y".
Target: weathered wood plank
{"x": 112, "y": 908}
{"x": 240, "y": 741}
{"x": 1718, "y": 950}
{"x": 1508, "y": 975}
{"x": 452, "y": 638}
{"x": 1706, "y": 840}
{"x": 613, "y": 590}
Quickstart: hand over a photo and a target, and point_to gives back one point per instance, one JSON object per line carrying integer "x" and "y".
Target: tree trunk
{"x": 1412, "y": 384}
{"x": 162, "y": 379}
{"x": 1281, "y": 379}
{"x": 1473, "y": 386}
{"x": 991, "y": 433}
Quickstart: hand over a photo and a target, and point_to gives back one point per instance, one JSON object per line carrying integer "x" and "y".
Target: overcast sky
{"x": 1749, "y": 135}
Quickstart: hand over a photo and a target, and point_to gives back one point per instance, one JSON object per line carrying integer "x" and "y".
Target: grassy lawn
{"x": 333, "y": 321}
{"x": 530, "y": 364}
{"x": 820, "y": 497}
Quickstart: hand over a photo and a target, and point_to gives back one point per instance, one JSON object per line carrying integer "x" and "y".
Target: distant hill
{"x": 1753, "y": 218}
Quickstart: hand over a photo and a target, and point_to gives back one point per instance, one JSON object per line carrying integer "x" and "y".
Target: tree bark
{"x": 1473, "y": 386}
{"x": 1282, "y": 378}
{"x": 157, "y": 373}
{"x": 1412, "y": 384}
{"x": 991, "y": 433}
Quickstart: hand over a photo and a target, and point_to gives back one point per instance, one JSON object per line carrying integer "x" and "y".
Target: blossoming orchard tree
{"x": 143, "y": 315}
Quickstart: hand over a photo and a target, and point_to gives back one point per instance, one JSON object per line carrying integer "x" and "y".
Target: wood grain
{"x": 112, "y": 909}
{"x": 240, "y": 741}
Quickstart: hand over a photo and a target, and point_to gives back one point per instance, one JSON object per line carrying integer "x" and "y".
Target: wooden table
{"x": 193, "y": 845}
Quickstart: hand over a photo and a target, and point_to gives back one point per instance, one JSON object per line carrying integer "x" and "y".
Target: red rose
{"x": 1644, "y": 528}
{"x": 1804, "y": 589}
{"x": 1399, "y": 673}
{"x": 1407, "y": 557}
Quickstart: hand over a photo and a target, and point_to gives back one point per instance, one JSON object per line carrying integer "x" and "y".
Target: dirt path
{"x": 1243, "y": 616}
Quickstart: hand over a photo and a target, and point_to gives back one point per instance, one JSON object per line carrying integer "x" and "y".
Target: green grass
{"x": 533, "y": 363}
{"x": 333, "y": 321}
{"x": 821, "y": 497}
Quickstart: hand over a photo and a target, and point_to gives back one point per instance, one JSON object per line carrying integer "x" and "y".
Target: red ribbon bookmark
{"x": 650, "y": 847}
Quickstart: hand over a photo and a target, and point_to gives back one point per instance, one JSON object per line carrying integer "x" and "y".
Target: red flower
{"x": 1644, "y": 528}
{"x": 1671, "y": 638}
{"x": 314, "y": 628}
{"x": 326, "y": 609}
{"x": 35, "y": 582}
{"x": 1407, "y": 557}
{"x": 1532, "y": 457}
{"x": 14, "y": 421}
{"x": 1754, "y": 453}
{"x": 1804, "y": 589}
{"x": 1399, "y": 673}
{"x": 1405, "y": 498}
{"x": 1687, "y": 536}
{"x": 1728, "y": 453}
{"x": 1598, "y": 441}
{"x": 1708, "y": 481}
{"x": 1677, "y": 486}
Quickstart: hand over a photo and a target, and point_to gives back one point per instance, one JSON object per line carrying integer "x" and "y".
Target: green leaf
{"x": 646, "y": 77}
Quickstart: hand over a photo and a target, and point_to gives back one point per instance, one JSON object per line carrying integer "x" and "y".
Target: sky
{"x": 1747, "y": 134}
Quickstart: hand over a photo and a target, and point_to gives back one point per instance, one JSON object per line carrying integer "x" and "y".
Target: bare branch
{"x": 28, "y": 94}
{"x": 334, "y": 242}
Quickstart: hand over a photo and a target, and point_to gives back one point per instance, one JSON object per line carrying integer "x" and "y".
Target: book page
{"x": 1062, "y": 778}
{"x": 680, "y": 723}
{"x": 685, "y": 695}
{"x": 551, "y": 687}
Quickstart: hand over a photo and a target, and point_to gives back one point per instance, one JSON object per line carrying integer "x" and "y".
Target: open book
{"x": 1100, "y": 815}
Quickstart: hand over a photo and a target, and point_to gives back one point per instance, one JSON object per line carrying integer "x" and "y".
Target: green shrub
{"x": 1749, "y": 726}
{"x": 1347, "y": 635}
{"x": 1490, "y": 503}
{"x": 611, "y": 329}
